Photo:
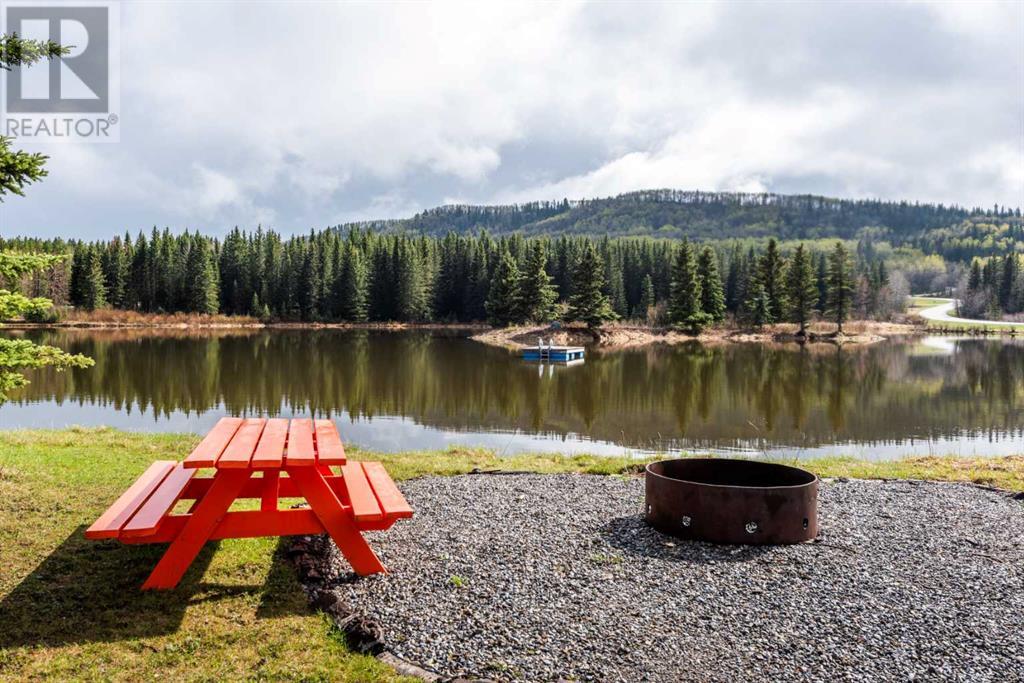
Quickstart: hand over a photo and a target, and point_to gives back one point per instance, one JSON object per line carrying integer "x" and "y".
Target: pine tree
{"x": 801, "y": 289}
{"x": 588, "y": 302}
{"x": 840, "y": 285}
{"x": 760, "y": 306}
{"x": 646, "y": 297}
{"x": 974, "y": 279}
{"x": 504, "y": 306}
{"x": 93, "y": 292}
{"x": 822, "y": 281}
{"x": 115, "y": 270}
{"x": 770, "y": 269}
{"x": 412, "y": 301}
{"x": 352, "y": 286}
{"x": 684, "y": 307}
{"x": 202, "y": 294}
{"x": 537, "y": 294}
{"x": 734, "y": 280}
{"x": 1007, "y": 277}
{"x": 712, "y": 298}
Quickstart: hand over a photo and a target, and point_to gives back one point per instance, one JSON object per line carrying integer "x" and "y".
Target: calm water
{"x": 394, "y": 391}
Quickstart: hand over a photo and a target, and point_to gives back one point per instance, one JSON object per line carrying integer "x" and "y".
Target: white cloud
{"x": 306, "y": 114}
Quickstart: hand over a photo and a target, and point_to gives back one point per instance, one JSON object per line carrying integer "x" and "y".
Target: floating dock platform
{"x": 553, "y": 354}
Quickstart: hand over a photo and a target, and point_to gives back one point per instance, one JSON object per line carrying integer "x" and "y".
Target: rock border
{"x": 362, "y": 635}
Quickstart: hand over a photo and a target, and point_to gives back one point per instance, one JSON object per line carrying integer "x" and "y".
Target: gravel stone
{"x": 557, "y": 577}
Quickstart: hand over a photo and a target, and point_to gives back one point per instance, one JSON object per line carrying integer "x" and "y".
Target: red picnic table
{"x": 249, "y": 457}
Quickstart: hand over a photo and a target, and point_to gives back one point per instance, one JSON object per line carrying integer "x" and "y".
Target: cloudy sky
{"x": 306, "y": 115}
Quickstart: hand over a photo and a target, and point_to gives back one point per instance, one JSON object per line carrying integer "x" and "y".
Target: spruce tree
{"x": 759, "y": 306}
{"x": 770, "y": 269}
{"x": 201, "y": 291}
{"x": 504, "y": 306}
{"x": 840, "y": 285}
{"x": 684, "y": 307}
{"x": 734, "y": 280}
{"x": 822, "y": 281}
{"x": 646, "y": 297}
{"x": 353, "y": 288}
{"x": 974, "y": 279}
{"x": 412, "y": 301}
{"x": 588, "y": 302}
{"x": 93, "y": 294}
{"x": 537, "y": 294}
{"x": 801, "y": 289}
{"x": 712, "y": 298}
{"x": 1007, "y": 277}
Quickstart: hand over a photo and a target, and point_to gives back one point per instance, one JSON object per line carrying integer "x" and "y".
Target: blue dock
{"x": 553, "y": 354}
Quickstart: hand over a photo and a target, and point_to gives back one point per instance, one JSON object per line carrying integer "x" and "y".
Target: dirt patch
{"x": 621, "y": 336}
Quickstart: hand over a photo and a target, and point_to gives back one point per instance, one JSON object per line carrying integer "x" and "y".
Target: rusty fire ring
{"x": 732, "y": 501}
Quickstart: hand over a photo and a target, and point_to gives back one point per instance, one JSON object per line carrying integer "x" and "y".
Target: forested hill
{"x": 699, "y": 215}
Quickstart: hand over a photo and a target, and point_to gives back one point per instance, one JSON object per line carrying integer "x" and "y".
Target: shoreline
{"x": 614, "y": 336}
{"x": 622, "y": 336}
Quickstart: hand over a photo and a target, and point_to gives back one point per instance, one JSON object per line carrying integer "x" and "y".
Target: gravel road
{"x": 557, "y": 577}
{"x": 943, "y": 313}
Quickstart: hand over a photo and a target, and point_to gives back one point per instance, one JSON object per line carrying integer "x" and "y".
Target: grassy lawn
{"x": 948, "y": 325}
{"x": 71, "y": 609}
{"x": 926, "y": 301}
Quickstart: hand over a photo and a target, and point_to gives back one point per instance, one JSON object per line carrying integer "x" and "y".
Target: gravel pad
{"x": 542, "y": 578}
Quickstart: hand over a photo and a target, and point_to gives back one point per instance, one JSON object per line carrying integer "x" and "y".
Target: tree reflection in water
{"x": 651, "y": 398}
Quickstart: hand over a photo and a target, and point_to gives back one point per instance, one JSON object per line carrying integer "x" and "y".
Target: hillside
{"x": 714, "y": 215}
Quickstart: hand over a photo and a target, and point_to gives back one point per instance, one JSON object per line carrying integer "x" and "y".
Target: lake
{"x": 394, "y": 391}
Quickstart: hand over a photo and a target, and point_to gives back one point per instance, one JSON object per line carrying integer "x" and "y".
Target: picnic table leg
{"x": 208, "y": 512}
{"x": 271, "y": 486}
{"x": 336, "y": 520}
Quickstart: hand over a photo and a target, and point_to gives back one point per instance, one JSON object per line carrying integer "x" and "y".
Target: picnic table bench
{"x": 249, "y": 457}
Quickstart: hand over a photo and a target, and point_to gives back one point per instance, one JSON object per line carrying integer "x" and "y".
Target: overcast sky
{"x": 300, "y": 116}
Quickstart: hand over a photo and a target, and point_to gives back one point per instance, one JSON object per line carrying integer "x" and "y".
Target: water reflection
{"x": 415, "y": 390}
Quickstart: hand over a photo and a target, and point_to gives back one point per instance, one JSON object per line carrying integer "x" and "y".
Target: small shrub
{"x": 42, "y": 314}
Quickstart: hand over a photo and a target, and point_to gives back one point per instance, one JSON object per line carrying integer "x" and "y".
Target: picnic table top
{"x": 267, "y": 444}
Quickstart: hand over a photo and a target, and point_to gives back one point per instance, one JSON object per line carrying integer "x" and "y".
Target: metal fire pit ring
{"x": 732, "y": 501}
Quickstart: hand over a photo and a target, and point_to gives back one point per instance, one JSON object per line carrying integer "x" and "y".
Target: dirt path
{"x": 941, "y": 314}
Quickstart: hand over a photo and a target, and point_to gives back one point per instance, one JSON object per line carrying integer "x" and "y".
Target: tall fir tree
{"x": 93, "y": 294}
{"x": 353, "y": 286}
{"x": 647, "y": 300}
{"x": 801, "y": 289}
{"x": 504, "y": 305}
{"x": 734, "y": 280}
{"x": 537, "y": 295}
{"x": 1007, "y": 278}
{"x": 712, "y": 297}
{"x": 840, "y": 285}
{"x": 201, "y": 291}
{"x": 759, "y": 306}
{"x": 588, "y": 302}
{"x": 822, "y": 281}
{"x": 770, "y": 271}
{"x": 684, "y": 302}
{"x": 974, "y": 279}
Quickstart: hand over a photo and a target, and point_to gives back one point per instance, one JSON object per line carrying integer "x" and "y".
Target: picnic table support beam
{"x": 204, "y": 519}
{"x": 337, "y": 520}
{"x": 271, "y": 489}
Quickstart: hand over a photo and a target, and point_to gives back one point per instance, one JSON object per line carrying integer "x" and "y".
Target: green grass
{"x": 957, "y": 326}
{"x": 926, "y": 301}
{"x": 71, "y": 609}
